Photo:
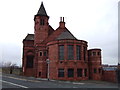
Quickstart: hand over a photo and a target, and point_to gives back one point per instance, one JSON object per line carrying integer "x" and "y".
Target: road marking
{"x": 13, "y": 78}
{"x": 21, "y": 79}
{"x": 77, "y": 83}
{"x": 74, "y": 87}
{"x": 14, "y": 84}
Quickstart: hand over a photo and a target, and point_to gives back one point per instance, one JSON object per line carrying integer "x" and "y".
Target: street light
{"x": 48, "y": 62}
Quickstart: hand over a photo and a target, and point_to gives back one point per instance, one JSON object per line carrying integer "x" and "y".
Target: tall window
{"x": 94, "y": 53}
{"x": 45, "y": 53}
{"x": 40, "y": 53}
{"x": 95, "y": 70}
{"x": 61, "y": 52}
{"x": 99, "y": 70}
{"x": 29, "y": 62}
{"x": 70, "y": 72}
{"x": 39, "y": 73}
{"x": 84, "y": 48}
{"x": 78, "y": 49}
{"x": 98, "y": 53}
{"x": 79, "y": 72}
{"x": 42, "y": 21}
{"x": 60, "y": 72}
{"x": 70, "y": 52}
{"x": 85, "y": 72}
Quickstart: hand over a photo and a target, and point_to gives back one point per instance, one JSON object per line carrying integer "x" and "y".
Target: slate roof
{"x": 65, "y": 35}
{"x": 42, "y": 11}
{"x": 59, "y": 34}
{"x": 29, "y": 37}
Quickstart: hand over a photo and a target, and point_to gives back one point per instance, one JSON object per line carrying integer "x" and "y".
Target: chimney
{"x": 62, "y": 23}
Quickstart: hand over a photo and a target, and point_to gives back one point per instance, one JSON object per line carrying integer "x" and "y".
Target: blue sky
{"x": 95, "y": 21}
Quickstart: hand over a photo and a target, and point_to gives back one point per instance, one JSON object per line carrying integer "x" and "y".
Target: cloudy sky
{"x": 95, "y": 21}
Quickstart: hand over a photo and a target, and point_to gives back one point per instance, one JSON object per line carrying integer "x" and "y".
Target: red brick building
{"x": 69, "y": 58}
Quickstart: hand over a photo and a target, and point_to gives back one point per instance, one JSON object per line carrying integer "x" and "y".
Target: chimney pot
{"x": 63, "y": 19}
{"x": 62, "y": 23}
{"x": 60, "y": 19}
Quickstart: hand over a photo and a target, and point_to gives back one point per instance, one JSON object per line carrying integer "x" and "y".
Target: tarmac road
{"x": 15, "y": 81}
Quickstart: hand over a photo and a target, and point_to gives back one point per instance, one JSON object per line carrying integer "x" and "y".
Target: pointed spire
{"x": 42, "y": 11}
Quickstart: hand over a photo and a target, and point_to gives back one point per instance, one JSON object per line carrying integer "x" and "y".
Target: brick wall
{"x": 109, "y": 76}
{"x": 65, "y": 64}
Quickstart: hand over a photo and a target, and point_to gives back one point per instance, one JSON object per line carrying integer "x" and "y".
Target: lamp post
{"x": 48, "y": 62}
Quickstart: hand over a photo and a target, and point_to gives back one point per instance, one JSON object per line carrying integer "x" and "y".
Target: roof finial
{"x": 41, "y": 2}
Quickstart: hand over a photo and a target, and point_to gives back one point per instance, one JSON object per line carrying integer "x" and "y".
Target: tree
{"x": 8, "y": 64}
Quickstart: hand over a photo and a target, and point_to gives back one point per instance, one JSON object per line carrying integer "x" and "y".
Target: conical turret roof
{"x": 42, "y": 11}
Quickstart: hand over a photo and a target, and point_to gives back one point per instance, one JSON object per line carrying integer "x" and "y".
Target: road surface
{"x": 15, "y": 81}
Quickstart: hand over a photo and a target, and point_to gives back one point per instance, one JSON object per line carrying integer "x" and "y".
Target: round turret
{"x": 94, "y": 56}
{"x": 94, "y": 59}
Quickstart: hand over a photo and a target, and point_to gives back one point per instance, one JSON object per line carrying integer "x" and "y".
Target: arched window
{"x": 29, "y": 61}
{"x": 40, "y": 53}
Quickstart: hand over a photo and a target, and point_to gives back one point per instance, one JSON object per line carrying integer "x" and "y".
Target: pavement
{"x": 15, "y": 81}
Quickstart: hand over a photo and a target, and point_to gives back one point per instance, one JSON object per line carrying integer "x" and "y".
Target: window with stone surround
{"x": 70, "y": 52}
{"x": 29, "y": 61}
{"x": 78, "y": 52}
{"x": 60, "y": 72}
{"x": 39, "y": 73}
{"x": 79, "y": 72}
{"x": 45, "y": 53}
{"x": 84, "y": 49}
{"x": 85, "y": 72}
{"x": 95, "y": 70}
{"x": 70, "y": 72}
{"x": 61, "y": 52}
{"x": 40, "y": 53}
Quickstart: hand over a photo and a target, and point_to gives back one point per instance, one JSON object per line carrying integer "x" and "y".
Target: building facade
{"x": 69, "y": 58}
